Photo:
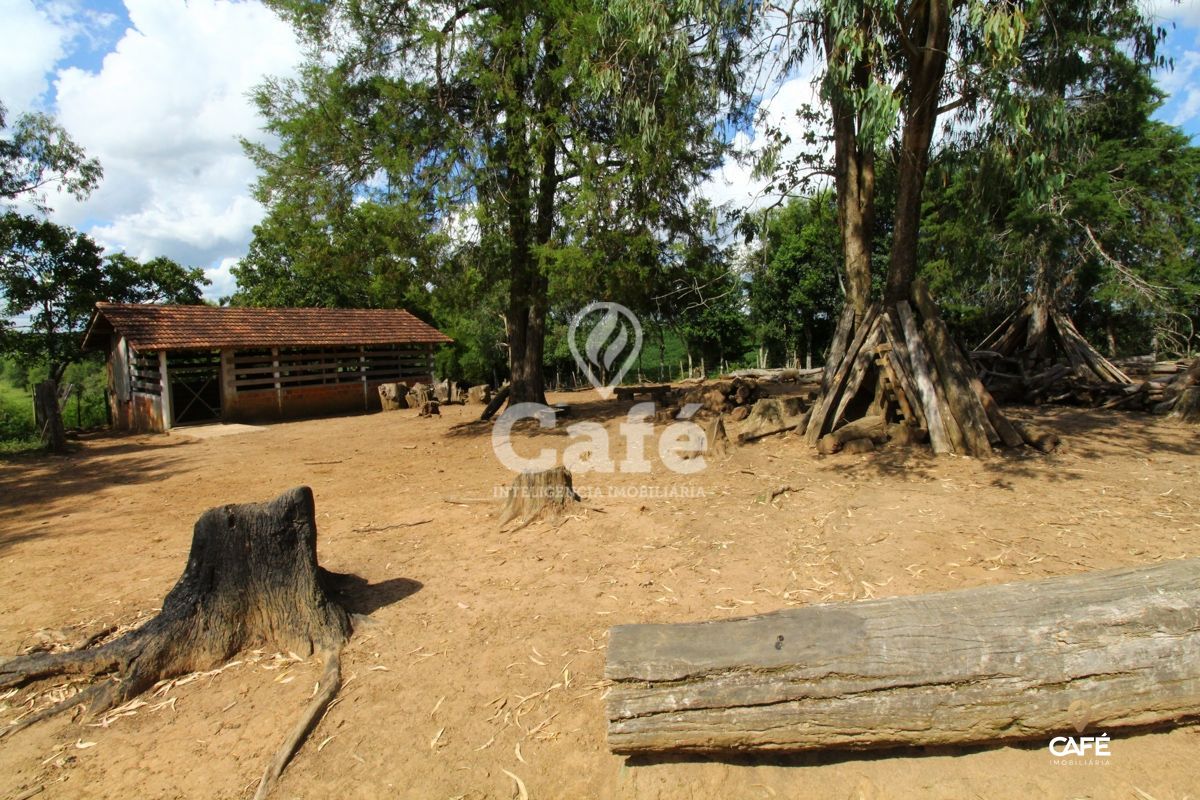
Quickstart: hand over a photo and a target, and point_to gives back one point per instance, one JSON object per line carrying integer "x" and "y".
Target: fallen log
{"x": 1017, "y": 661}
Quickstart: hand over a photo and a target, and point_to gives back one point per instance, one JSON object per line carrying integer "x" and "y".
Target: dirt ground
{"x": 487, "y": 664}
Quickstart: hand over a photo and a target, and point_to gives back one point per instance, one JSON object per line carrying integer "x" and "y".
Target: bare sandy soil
{"x": 488, "y": 659}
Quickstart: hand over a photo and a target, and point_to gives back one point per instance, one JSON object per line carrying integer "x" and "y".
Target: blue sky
{"x": 158, "y": 91}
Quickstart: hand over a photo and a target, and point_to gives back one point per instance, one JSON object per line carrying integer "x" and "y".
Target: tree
{"x": 54, "y": 275}
{"x": 795, "y": 288}
{"x": 891, "y": 70}
{"x": 38, "y": 153}
{"x": 523, "y": 128}
{"x": 159, "y": 280}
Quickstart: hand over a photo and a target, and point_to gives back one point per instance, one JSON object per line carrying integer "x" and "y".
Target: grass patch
{"x": 17, "y": 431}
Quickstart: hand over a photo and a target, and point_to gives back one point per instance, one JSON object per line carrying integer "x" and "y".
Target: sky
{"x": 159, "y": 92}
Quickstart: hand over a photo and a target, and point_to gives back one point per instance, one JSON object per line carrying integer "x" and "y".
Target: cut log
{"x": 1186, "y": 407}
{"x": 925, "y": 381}
{"x": 872, "y": 428}
{"x": 1029, "y": 660}
{"x": 1037, "y": 438}
{"x": 956, "y": 374}
{"x": 393, "y": 396}
{"x": 251, "y": 580}
{"x": 495, "y": 403}
{"x": 536, "y": 495}
{"x": 819, "y": 418}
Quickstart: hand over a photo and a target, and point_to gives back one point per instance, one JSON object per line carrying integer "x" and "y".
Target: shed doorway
{"x": 195, "y": 387}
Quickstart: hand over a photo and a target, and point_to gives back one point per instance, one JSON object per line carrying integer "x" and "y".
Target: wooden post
{"x": 362, "y": 374}
{"x": 278, "y": 385}
{"x": 1028, "y": 660}
{"x": 228, "y": 382}
{"x": 164, "y": 395}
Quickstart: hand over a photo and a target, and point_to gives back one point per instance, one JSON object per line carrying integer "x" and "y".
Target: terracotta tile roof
{"x": 163, "y": 327}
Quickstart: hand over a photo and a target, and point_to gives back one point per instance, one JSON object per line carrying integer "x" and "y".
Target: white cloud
{"x": 163, "y": 115}
{"x": 734, "y": 184}
{"x": 35, "y": 43}
{"x": 1185, "y": 13}
{"x": 1183, "y": 85}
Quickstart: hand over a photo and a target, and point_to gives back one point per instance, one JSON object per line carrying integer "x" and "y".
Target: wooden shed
{"x": 181, "y": 365}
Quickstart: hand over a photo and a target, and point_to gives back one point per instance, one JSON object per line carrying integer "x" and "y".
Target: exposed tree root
{"x": 251, "y": 579}
{"x": 331, "y": 682}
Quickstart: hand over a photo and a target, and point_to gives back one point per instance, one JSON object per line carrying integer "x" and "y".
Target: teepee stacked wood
{"x": 1038, "y": 350}
{"x": 900, "y": 363}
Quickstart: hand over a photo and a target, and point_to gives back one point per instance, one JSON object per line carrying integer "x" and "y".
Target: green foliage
{"x": 54, "y": 276}
{"x": 36, "y": 153}
{"x": 795, "y": 295}
{"x": 159, "y": 280}
{"x": 554, "y": 144}
{"x": 1111, "y": 236}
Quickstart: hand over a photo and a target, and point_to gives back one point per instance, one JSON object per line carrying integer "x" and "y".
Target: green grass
{"x": 17, "y": 431}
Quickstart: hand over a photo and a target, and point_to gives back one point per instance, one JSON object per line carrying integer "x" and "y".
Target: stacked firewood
{"x": 732, "y": 396}
{"x": 1037, "y": 355}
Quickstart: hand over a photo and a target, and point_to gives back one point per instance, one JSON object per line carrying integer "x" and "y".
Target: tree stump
{"x": 535, "y": 495}
{"x": 432, "y": 408}
{"x": 716, "y": 440}
{"x": 418, "y": 395}
{"x": 251, "y": 580}
{"x": 393, "y": 396}
{"x": 479, "y": 394}
{"x": 772, "y": 415}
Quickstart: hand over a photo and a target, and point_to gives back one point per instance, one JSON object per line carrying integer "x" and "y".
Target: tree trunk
{"x": 49, "y": 416}
{"x": 1016, "y": 661}
{"x": 251, "y": 580}
{"x": 854, "y": 178}
{"x": 929, "y": 37}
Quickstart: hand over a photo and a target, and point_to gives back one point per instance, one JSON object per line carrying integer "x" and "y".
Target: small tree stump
{"x": 772, "y": 415}
{"x": 431, "y": 408}
{"x": 534, "y": 495}
{"x": 479, "y": 394}
{"x": 418, "y": 395}
{"x": 251, "y": 580}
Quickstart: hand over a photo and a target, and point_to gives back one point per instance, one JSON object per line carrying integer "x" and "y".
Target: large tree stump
{"x": 251, "y": 580}
{"x": 534, "y": 495}
{"x": 1017, "y": 661}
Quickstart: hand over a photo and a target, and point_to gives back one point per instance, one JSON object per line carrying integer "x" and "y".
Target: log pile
{"x": 899, "y": 364}
{"x": 720, "y": 396}
{"x": 974, "y": 666}
{"x": 1037, "y": 355}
